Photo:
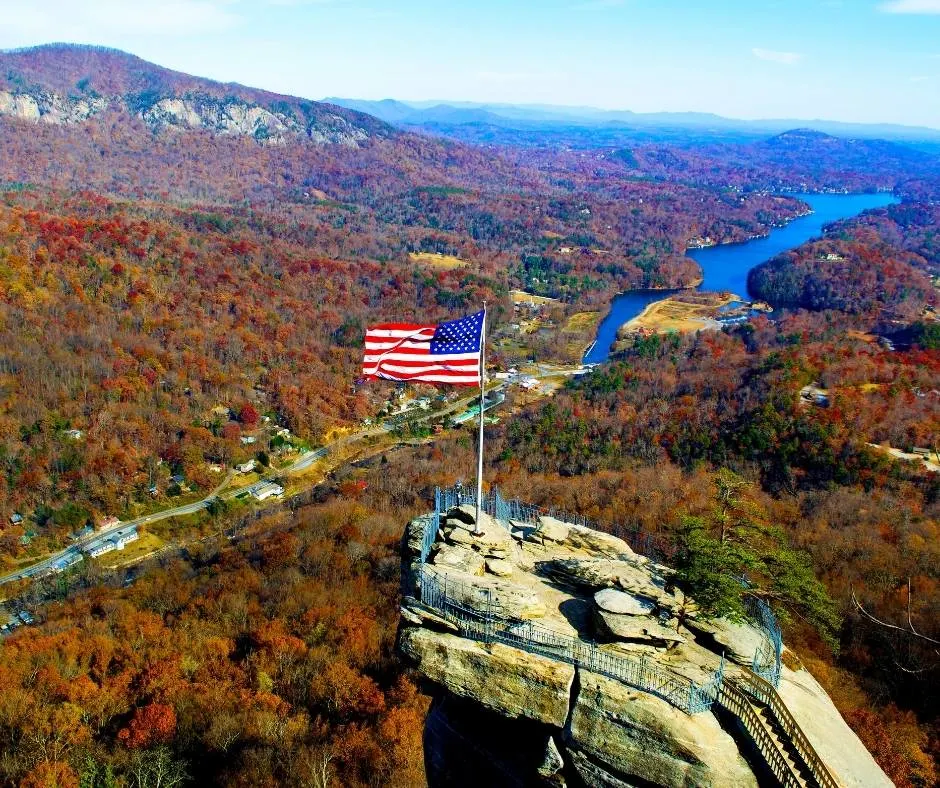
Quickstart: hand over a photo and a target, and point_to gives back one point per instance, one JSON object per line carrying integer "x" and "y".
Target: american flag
{"x": 445, "y": 353}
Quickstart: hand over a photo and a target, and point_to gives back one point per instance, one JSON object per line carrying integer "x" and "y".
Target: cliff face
{"x": 522, "y": 696}
{"x": 65, "y": 85}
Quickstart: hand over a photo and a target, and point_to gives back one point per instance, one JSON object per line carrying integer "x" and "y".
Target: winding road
{"x": 304, "y": 462}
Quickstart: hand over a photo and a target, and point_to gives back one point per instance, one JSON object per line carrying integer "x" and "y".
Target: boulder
{"x": 738, "y": 641}
{"x": 635, "y": 628}
{"x": 491, "y": 595}
{"x": 622, "y": 603}
{"x": 511, "y": 682}
{"x": 499, "y": 567}
{"x": 601, "y": 544}
{"x": 460, "y": 558}
{"x": 414, "y": 533}
{"x": 491, "y": 537}
{"x": 598, "y": 573}
{"x": 553, "y": 762}
{"x": 635, "y": 737}
{"x": 551, "y": 530}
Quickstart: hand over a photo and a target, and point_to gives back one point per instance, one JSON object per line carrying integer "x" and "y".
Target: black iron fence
{"x": 767, "y": 658}
{"x": 478, "y": 616}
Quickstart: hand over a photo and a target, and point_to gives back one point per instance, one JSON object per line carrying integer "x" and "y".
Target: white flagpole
{"x": 476, "y": 528}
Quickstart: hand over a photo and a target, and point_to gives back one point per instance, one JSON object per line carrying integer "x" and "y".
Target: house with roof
{"x": 116, "y": 541}
{"x": 268, "y": 490}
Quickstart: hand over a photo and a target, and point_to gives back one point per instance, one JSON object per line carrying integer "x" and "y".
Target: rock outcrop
{"x": 513, "y": 709}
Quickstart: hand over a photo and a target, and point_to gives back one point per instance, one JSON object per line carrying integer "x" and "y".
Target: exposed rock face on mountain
{"x": 65, "y": 85}
{"x": 511, "y": 709}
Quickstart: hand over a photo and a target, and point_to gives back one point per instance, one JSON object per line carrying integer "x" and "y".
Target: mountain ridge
{"x": 69, "y": 83}
{"x": 418, "y": 113}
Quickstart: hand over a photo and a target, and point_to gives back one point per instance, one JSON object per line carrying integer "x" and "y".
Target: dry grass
{"x": 680, "y": 314}
{"x": 147, "y": 544}
{"x": 444, "y": 262}
{"x": 578, "y": 332}
{"x": 522, "y": 297}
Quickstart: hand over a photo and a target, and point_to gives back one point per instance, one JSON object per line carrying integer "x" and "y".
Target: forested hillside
{"x": 182, "y": 261}
{"x": 881, "y": 261}
{"x": 268, "y": 663}
{"x": 634, "y": 442}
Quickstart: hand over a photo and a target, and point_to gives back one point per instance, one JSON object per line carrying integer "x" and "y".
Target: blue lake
{"x": 726, "y": 267}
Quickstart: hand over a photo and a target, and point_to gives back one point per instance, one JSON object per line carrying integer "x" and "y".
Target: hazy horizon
{"x": 872, "y": 61}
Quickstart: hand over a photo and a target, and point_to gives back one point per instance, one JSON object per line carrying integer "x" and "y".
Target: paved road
{"x": 301, "y": 464}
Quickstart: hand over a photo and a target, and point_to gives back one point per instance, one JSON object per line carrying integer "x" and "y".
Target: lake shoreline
{"x": 725, "y": 267}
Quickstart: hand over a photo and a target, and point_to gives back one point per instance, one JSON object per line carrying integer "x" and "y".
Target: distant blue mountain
{"x": 530, "y": 117}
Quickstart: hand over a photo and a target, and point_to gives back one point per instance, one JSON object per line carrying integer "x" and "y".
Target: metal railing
{"x": 478, "y": 615}
{"x": 738, "y": 703}
{"x": 650, "y": 545}
{"x": 768, "y": 656}
{"x": 764, "y": 692}
{"x": 766, "y": 662}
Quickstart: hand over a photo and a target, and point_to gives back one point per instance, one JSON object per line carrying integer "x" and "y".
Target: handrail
{"x": 488, "y": 626}
{"x": 765, "y": 692}
{"x": 767, "y": 658}
{"x": 737, "y": 702}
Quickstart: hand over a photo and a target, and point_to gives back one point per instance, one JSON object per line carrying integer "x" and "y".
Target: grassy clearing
{"x": 444, "y": 262}
{"x": 147, "y": 544}
{"x": 578, "y": 332}
{"x": 522, "y": 297}
{"x": 680, "y": 314}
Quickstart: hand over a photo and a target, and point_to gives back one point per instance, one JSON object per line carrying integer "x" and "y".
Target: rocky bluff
{"x": 558, "y": 656}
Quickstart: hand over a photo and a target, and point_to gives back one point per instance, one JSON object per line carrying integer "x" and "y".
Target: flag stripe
{"x": 445, "y": 353}
{"x": 397, "y": 355}
{"x": 429, "y": 378}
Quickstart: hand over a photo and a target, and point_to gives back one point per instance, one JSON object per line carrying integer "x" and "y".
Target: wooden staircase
{"x": 784, "y": 748}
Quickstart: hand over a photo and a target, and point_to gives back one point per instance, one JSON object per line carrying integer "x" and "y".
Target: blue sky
{"x": 854, "y": 60}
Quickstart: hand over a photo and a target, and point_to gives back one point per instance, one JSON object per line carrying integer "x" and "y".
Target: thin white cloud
{"x": 98, "y": 20}
{"x": 774, "y": 56}
{"x": 920, "y": 79}
{"x": 911, "y": 7}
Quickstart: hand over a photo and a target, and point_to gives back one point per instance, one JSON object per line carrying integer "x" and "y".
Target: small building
{"x": 116, "y": 541}
{"x": 215, "y": 468}
{"x": 83, "y": 533}
{"x": 63, "y": 563}
{"x": 16, "y": 519}
{"x": 246, "y": 467}
{"x": 75, "y": 435}
{"x": 247, "y": 439}
{"x": 268, "y": 490}
{"x": 110, "y": 522}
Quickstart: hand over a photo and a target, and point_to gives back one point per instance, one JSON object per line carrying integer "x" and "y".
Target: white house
{"x": 269, "y": 490}
{"x": 117, "y": 541}
{"x": 246, "y": 467}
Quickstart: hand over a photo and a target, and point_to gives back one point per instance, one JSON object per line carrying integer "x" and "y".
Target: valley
{"x": 187, "y": 272}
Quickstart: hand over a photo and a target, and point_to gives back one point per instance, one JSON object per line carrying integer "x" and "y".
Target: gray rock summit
{"x": 556, "y": 656}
